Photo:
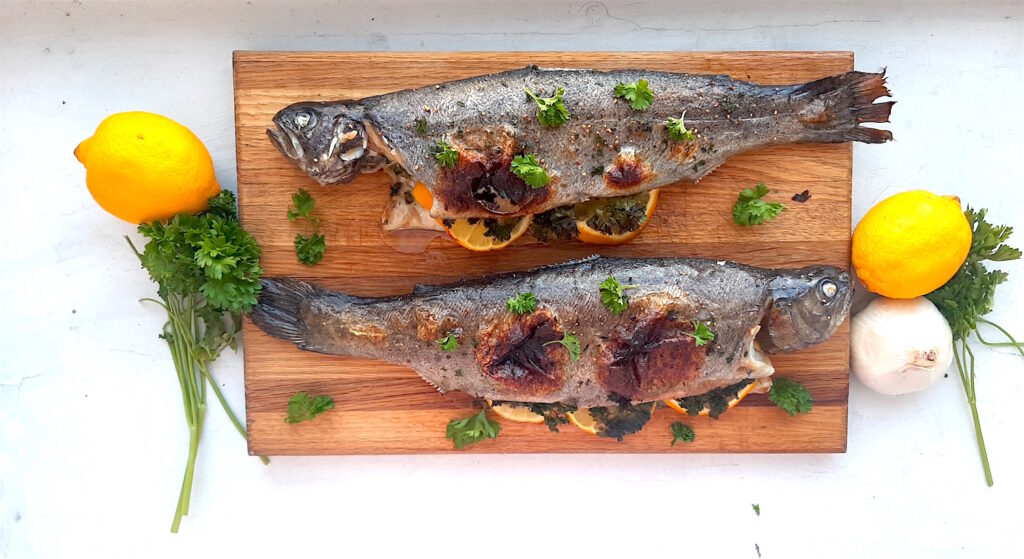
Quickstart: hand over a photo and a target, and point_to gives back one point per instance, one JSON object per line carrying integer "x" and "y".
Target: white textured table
{"x": 92, "y": 442}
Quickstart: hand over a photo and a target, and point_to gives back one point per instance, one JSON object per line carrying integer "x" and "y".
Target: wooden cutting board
{"x": 383, "y": 408}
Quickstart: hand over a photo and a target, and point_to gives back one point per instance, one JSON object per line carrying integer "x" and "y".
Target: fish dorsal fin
{"x": 567, "y": 264}
{"x": 426, "y": 290}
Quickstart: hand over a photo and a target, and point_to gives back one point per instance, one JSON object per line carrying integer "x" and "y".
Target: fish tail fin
{"x": 837, "y": 105}
{"x": 279, "y": 310}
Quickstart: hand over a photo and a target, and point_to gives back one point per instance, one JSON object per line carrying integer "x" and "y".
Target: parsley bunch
{"x": 207, "y": 269}
{"x": 970, "y": 295}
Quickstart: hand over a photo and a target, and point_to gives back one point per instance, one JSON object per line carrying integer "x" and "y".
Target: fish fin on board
{"x": 837, "y": 105}
{"x": 278, "y": 311}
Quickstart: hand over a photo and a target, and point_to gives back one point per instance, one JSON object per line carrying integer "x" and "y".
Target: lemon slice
{"x": 582, "y": 419}
{"x": 488, "y": 234}
{"x": 515, "y": 413}
{"x": 674, "y": 404}
{"x": 611, "y": 235}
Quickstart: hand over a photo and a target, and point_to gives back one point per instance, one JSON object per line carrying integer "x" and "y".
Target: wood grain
{"x": 383, "y": 408}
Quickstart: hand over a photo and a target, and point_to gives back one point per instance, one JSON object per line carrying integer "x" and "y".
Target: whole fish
{"x": 605, "y": 148}
{"x": 464, "y": 336}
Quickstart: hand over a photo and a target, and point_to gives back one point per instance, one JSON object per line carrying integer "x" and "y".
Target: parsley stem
{"x": 227, "y": 409}
{"x": 968, "y": 360}
{"x": 1012, "y": 343}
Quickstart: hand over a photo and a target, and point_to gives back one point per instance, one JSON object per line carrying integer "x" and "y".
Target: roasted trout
{"x": 604, "y": 148}
{"x": 465, "y": 336}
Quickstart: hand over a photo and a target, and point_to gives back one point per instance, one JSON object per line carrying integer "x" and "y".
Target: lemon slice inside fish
{"x": 513, "y": 412}
{"x": 582, "y": 419}
{"x": 743, "y": 392}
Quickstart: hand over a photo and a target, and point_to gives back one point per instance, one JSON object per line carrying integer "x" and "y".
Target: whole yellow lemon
{"x": 911, "y": 244}
{"x": 143, "y": 167}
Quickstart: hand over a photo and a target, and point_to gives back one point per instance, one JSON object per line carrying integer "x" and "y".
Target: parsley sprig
{"x": 309, "y": 249}
{"x": 791, "y": 396}
{"x": 702, "y": 333}
{"x": 551, "y": 111}
{"x": 471, "y": 430}
{"x": 448, "y": 343}
{"x": 571, "y": 342}
{"x": 637, "y": 93}
{"x": 750, "y": 209}
{"x": 303, "y": 407}
{"x": 966, "y": 298}
{"x": 445, "y": 155}
{"x": 522, "y": 303}
{"x": 677, "y": 129}
{"x": 527, "y": 168}
{"x": 207, "y": 269}
{"x": 682, "y": 432}
{"x": 613, "y": 295}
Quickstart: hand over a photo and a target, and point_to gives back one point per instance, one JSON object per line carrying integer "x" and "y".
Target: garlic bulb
{"x": 899, "y": 346}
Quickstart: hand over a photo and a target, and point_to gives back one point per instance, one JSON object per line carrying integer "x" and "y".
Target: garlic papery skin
{"x": 898, "y": 346}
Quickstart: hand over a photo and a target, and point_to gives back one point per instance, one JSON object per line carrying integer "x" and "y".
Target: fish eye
{"x": 827, "y": 290}
{"x": 302, "y": 118}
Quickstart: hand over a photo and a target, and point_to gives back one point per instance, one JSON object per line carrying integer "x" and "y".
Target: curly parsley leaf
{"x": 571, "y": 342}
{"x": 445, "y": 155}
{"x": 302, "y": 206}
{"x": 471, "y": 430}
{"x": 522, "y": 303}
{"x": 303, "y": 407}
{"x": 448, "y": 343}
{"x": 702, "y": 333}
{"x": 420, "y": 126}
{"x": 757, "y": 508}
{"x": 613, "y": 296}
{"x": 682, "y": 432}
{"x": 310, "y": 248}
{"x": 527, "y": 168}
{"x": 751, "y": 210}
{"x": 970, "y": 294}
{"x": 637, "y": 93}
{"x": 551, "y": 111}
{"x": 677, "y": 129}
{"x": 791, "y": 396}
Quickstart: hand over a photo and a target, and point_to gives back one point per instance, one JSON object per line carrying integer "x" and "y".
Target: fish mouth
{"x": 285, "y": 142}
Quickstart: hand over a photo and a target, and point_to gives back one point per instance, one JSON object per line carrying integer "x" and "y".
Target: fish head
{"x": 326, "y": 140}
{"x": 807, "y": 306}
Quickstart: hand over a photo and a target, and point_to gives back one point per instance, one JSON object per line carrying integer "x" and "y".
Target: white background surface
{"x": 92, "y": 439}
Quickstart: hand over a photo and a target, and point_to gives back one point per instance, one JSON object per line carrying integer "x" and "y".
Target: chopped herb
{"x": 553, "y": 414}
{"x": 802, "y": 197}
{"x": 791, "y": 396}
{"x": 471, "y": 430}
{"x": 571, "y": 343}
{"x": 637, "y": 93}
{"x": 303, "y": 407}
{"x": 500, "y": 229}
{"x": 682, "y": 432}
{"x": 420, "y": 126}
{"x": 757, "y": 508}
{"x": 701, "y": 333}
{"x": 613, "y": 296}
{"x": 596, "y": 171}
{"x": 522, "y": 303}
{"x": 302, "y": 206}
{"x": 619, "y": 215}
{"x": 677, "y": 129}
{"x": 309, "y": 249}
{"x": 555, "y": 224}
{"x": 625, "y": 419}
{"x": 448, "y": 222}
{"x": 551, "y": 111}
{"x": 445, "y": 155}
{"x": 715, "y": 401}
{"x": 749, "y": 209}
{"x": 448, "y": 343}
{"x": 527, "y": 168}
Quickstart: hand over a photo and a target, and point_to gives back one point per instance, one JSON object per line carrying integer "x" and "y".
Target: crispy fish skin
{"x": 645, "y": 354}
{"x": 605, "y": 149}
